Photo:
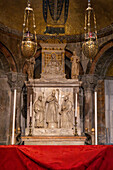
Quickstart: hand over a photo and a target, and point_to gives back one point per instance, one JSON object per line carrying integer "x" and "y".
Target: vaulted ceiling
{"x": 12, "y": 11}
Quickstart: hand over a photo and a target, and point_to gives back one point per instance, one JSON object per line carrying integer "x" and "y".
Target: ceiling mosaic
{"x": 12, "y": 12}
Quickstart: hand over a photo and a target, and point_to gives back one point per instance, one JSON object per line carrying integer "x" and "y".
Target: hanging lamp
{"x": 29, "y": 38}
{"x": 90, "y": 46}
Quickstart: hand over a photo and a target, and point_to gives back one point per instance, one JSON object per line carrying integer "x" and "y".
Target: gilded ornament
{"x": 29, "y": 39}
{"x": 90, "y": 46}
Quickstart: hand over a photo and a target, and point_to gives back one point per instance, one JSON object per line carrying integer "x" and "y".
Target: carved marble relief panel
{"x": 53, "y": 111}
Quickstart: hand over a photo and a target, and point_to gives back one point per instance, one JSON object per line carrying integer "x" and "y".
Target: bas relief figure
{"x": 53, "y": 69}
{"x": 49, "y": 113}
{"x": 66, "y": 113}
{"x": 52, "y": 110}
{"x": 39, "y": 113}
{"x": 75, "y": 66}
{"x": 53, "y": 66}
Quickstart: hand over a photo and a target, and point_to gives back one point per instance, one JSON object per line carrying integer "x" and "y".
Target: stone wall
{"x": 5, "y": 111}
{"x": 101, "y": 113}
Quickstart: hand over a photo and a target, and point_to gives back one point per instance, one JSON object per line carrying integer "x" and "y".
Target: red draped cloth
{"x": 56, "y": 157}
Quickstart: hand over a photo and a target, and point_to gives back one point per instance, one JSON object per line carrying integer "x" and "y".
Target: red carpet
{"x": 56, "y": 157}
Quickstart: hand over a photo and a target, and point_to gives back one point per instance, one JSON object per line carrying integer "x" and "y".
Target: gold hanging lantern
{"x": 90, "y": 46}
{"x": 29, "y": 39}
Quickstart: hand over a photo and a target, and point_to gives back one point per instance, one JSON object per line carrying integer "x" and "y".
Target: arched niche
{"x": 102, "y": 67}
{"x": 9, "y": 57}
{"x": 7, "y": 64}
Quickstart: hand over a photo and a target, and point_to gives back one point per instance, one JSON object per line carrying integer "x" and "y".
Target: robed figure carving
{"x": 75, "y": 66}
{"x": 66, "y": 113}
{"x": 30, "y": 67}
{"x": 52, "y": 111}
{"x": 39, "y": 113}
{"x": 53, "y": 69}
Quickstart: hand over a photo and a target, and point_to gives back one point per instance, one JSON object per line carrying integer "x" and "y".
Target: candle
{"x": 31, "y": 105}
{"x": 59, "y": 98}
{"x": 95, "y": 118}
{"x": 14, "y": 112}
{"x": 76, "y": 105}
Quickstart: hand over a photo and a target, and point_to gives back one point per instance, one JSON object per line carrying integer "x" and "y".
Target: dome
{"x": 12, "y": 13}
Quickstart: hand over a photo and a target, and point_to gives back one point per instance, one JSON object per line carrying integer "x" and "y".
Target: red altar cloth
{"x": 56, "y": 157}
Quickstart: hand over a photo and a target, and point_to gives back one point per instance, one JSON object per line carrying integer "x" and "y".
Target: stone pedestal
{"x": 66, "y": 140}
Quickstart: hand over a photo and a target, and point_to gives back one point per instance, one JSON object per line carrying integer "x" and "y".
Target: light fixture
{"x": 29, "y": 38}
{"x": 90, "y": 46}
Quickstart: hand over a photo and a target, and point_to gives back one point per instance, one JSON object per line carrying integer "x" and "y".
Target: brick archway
{"x": 9, "y": 57}
{"x": 98, "y": 56}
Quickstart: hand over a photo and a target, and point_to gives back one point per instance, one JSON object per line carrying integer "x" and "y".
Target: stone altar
{"x": 52, "y": 102}
{"x": 53, "y": 140}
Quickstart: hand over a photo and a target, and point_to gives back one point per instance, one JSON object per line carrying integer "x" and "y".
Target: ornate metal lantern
{"x": 29, "y": 39}
{"x": 90, "y": 46}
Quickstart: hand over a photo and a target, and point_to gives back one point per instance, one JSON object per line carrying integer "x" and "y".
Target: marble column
{"x": 89, "y": 83}
{"x": 16, "y": 81}
{"x": 20, "y": 83}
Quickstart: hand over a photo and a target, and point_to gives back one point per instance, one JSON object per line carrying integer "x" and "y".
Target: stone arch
{"x": 9, "y": 57}
{"x": 102, "y": 59}
{"x": 109, "y": 71}
{"x": 103, "y": 62}
{"x": 4, "y": 65}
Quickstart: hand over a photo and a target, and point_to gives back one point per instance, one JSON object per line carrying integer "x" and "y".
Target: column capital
{"x": 89, "y": 82}
{"x": 16, "y": 80}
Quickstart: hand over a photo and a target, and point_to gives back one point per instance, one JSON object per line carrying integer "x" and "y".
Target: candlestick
{"x": 30, "y": 127}
{"x": 76, "y": 134}
{"x": 14, "y": 112}
{"x": 95, "y": 118}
